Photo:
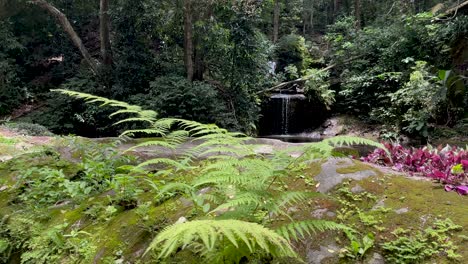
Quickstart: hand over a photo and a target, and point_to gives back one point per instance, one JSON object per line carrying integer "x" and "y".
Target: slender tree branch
{"x": 68, "y": 28}
{"x": 456, "y": 8}
{"x": 307, "y": 77}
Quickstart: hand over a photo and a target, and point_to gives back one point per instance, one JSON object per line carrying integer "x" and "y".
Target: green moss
{"x": 345, "y": 152}
{"x": 424, "y": 200}
{"x": 4, "y": 199}
{"x": 7, "y": 141}
{"x": 356, "y": 167}
{"x": 314, "y": 169}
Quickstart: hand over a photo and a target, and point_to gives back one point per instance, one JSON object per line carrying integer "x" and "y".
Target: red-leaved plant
{"x": 437, "y": 163}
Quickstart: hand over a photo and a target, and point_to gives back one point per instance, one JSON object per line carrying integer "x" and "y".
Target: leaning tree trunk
{"x": 68, "y": 28}
{"x": 188, "y": 39}
{"x": 276, "y": 21}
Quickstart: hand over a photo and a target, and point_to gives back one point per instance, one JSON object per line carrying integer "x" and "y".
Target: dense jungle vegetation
{"x": 129, "y": 131}
{"x": 397, "y": 63}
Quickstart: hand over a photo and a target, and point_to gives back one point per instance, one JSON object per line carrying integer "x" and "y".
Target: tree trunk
{"x": 199, "y": 65}
{"x": 357, "y": 13}
{"x": 336, "y": 6}
{"x": 311, "y": 22}
{"x": 276, "y": 21}
{"x": 68, "y": 28}
{"x": 188, "y": 39}
{"x": 306, "y": 6}
{"x": 104, "y": 23}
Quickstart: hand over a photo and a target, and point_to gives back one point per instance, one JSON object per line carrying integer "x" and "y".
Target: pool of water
{"x": 294, "y": 138}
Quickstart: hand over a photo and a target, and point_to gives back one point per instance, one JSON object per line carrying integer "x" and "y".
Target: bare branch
{"x": 67, "y": 27}
{"x": 307, "y": 77}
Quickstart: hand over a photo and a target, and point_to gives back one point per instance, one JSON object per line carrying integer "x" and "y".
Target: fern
{"x": 243, "y": 185}
{"x": 213, "y": 233}
{"x": 291, "y": 198}
{"x": 296, "y": 230}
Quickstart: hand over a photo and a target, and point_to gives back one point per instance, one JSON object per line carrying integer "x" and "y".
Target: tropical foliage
{"x": 237, "y": 192}
{"x": 447, "y": 164}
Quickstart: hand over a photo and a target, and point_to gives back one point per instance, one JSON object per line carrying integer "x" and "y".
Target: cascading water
{"x": 290, "y": 114}
{"x": 286, "y": 105}
{"x": 285, "y": 114}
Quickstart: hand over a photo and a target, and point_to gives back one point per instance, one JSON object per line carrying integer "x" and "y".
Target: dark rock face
{"x": 285, "y": 114}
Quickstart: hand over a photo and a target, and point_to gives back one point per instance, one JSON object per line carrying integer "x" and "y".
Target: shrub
{"x": 292, "y": 50}
{"x": 437, "y": 163}
{"x": 11, "y": 92}
{"x": 29, "y": 129}
{"x": 382, "y": 76}
{"x": 414, "y": 106}
{"x": 175, "y": 96}
{"x": 415, "y": 247}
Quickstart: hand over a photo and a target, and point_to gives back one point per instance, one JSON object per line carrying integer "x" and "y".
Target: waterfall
{"x": 285, "y": 109}
{"x": 286, "y": 115}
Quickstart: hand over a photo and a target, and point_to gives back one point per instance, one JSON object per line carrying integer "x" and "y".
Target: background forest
{"x": 193, "y": 177}
{"x": 397, "y": 63}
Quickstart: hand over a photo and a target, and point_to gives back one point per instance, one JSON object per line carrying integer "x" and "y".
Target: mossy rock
{"x": 396, "y": 201}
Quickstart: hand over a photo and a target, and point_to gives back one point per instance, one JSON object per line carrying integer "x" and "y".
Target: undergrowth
{"x": 236, "y": 193}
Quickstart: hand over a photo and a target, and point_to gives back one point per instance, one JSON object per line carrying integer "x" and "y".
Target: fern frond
{"x": 163, "y": 161}
{"x": 296, "y": 230}
{"x": 234, "y": 232}
{"x": 159, "y": 143}
{"x": 241, "y": 200}
{"x": 176, "y": 186}
{"x": 350, "y": 140}
{"x": 153, "y": 132}
{"x": 93, "y": 98}
{"x": 177, "y": 137}
{"x": 291, "y": 198}
{"x": 134, "y": 119}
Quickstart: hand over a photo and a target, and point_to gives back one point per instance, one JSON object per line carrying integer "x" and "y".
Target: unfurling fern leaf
{"x": 213, "y": 233}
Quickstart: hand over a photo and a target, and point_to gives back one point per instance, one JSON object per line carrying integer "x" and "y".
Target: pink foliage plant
{"x": 448, "y": 165}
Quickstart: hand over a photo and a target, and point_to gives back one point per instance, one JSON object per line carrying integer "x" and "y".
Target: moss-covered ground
{"x": 99, "y": 230}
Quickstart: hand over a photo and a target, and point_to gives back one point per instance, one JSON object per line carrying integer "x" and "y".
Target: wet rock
{"x": 331, "y": 214}
{"x": 402, "y": 210}
{"x": 204, "y": 191}
{"x": 185, "y": 202}
{"x": 379, "y": 204}
{"x": 357, "y": 189}
{"x": 319, "y": 213}
{"x": 329, "y": 178}
{"x": 317, "y": 256}
{"x": 5, "y": 158}
{"x": 78, "y": 224}
{"x": 376, "y": 259}
{"x": 327, "y": 123}
{"x": 293, "y": 210}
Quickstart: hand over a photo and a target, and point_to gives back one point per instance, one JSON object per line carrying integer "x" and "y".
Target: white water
{"x": 286, "y": 109}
